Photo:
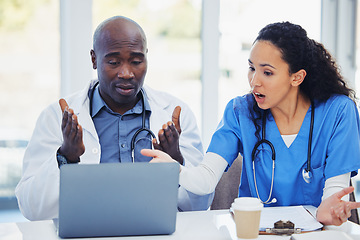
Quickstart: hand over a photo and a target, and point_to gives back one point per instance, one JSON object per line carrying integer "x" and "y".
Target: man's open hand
{"x": 73, "y": 146}
{"x": 169, "y": 137}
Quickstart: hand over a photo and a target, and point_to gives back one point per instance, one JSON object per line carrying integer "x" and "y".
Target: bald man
{"x": 101, "y": 123}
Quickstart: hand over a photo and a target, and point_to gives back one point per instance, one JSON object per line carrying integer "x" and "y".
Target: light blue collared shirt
{"x": 115, "y": 131}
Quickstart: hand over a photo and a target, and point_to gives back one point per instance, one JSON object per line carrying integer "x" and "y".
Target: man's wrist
{"x": 61, "y": 159}
{"x": 179, "y": 158}
{"x": 69, "y": 156}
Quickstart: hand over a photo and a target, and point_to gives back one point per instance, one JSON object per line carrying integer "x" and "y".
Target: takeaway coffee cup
{"x": 247, "y": 211}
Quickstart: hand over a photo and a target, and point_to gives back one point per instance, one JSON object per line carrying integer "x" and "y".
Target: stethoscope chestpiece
{"x": 307, "y": 175}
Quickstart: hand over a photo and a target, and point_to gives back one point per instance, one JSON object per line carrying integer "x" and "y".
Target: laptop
{"x": 117, "y": 199}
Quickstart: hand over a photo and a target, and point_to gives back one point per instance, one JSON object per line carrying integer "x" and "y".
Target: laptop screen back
{"x": 118, "y": 199}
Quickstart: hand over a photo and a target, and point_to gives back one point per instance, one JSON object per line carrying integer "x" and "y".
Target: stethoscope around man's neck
{"x": 143, "y": 128}
{"x": 143, "y": 118}
{"x": 306, "y": 172}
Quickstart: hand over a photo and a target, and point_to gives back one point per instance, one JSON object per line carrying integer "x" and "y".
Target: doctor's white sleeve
{"x": 203, "y": 178}
{"x": 38, "y": 189}
{"x": 336, "y": 184}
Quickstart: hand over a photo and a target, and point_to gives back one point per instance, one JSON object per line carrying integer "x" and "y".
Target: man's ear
{"x": 93, "y": 58}
{"x": 298, "y": 77}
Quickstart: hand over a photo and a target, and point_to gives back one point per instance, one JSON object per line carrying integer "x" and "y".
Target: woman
{"x": 298, "y": 129}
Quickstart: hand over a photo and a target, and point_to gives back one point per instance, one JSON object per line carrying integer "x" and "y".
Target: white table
{"x": 189, "y": 225}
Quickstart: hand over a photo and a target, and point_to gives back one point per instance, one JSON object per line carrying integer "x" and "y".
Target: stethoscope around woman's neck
{"x": 306, "y": 172}
{"x": 143, "y": 127}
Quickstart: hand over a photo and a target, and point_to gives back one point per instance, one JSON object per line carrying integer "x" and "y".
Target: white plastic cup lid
{"x": 247, "y": 204}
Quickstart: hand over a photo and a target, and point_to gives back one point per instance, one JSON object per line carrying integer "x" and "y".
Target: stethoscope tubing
{"x": 308, "y": 167}
{"x": 273, "y": 155}
{"x": 143, "y": 128}
{"x": 306, "y": 172}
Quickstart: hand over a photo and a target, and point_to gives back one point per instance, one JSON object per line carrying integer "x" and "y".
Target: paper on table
{"x": 328, "y": 235}
{"x": 296, "y": 214}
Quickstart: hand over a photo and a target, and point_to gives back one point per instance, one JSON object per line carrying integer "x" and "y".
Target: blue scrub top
{"x": 335, "y": 150}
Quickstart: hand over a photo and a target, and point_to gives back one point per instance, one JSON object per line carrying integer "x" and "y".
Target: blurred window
{"x": 29, "y": 79}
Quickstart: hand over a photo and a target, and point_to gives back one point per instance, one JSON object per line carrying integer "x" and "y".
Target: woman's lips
{"x": 259, "y": 95}
{"x": 259, "y": 98}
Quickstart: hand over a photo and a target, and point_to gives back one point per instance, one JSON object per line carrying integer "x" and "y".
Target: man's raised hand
{"x": 169, "y": 137}
{"x": 72, "y": 147}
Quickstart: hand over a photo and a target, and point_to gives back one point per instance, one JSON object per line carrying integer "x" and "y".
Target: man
{"x": 97, "y": 124}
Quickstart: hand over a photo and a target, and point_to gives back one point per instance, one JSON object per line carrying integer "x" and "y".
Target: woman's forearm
{"x": 203, "y": 178}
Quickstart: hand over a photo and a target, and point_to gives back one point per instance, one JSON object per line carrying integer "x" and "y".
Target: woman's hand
{"x": 157, "y": 155}
{"x": 334, "y": 211}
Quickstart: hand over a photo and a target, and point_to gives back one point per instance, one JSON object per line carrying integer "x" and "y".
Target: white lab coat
{"x": 38, "y": 190}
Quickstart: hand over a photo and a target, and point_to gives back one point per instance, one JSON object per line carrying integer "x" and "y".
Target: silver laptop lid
{"x": 118, "y": 199}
